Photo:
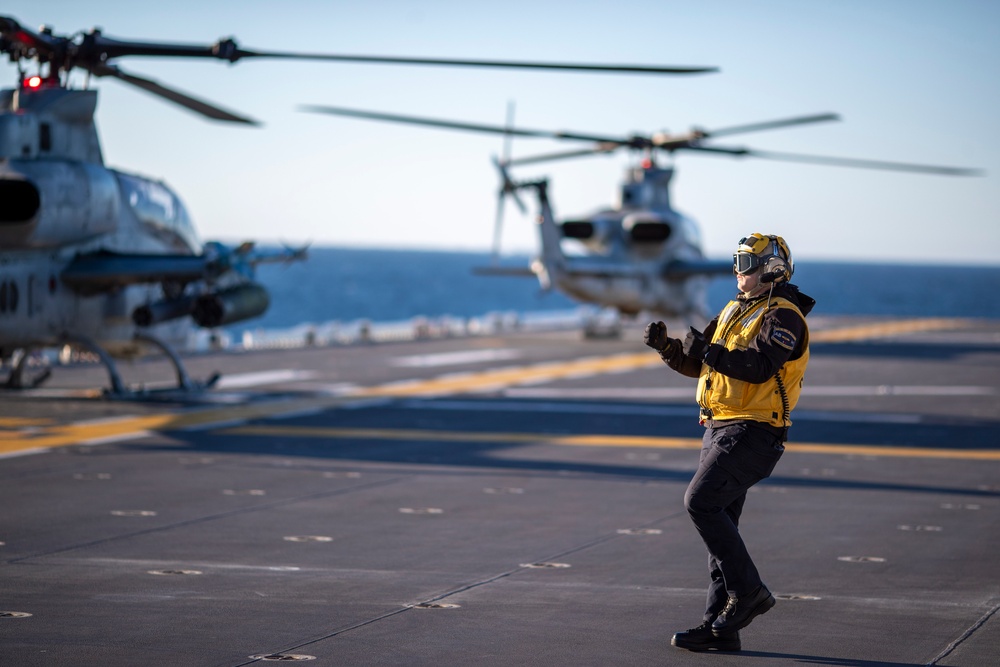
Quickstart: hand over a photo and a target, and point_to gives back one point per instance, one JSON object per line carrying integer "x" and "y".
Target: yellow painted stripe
{"x": 596, "y": 441}
{"x": 83, "y": 432}
{"x": 41, "y": 435}
{"x": 886, "y": 329}
{"x": 505, "y": 377}
{"x": 18, "y": 422}
{"x": 380, "y": 434}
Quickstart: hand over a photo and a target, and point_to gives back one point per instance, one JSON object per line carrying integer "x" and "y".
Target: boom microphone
{"x": 771, "y": 277}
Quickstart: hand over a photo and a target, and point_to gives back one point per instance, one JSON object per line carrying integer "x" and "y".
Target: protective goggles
{"x": 746, "y": 264}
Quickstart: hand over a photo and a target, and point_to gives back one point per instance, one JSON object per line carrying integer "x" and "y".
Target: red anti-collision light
{"x": 33, "y": 82}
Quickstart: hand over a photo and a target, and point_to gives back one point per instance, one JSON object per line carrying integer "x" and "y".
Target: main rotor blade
{"x": 177, "y": 97}
{"x": 600, "y": 149}
{"x": 842, "y": 161}
{"x": 504, "y": 64}
{"x": 608, "y": 144}
{"x": 456, "y": 125}
{"x": 95, "y": 47}
{"x": 770, "y": 125}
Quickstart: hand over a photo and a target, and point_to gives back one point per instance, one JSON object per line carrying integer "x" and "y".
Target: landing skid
{"x": 118, "y": 390}
{"x": 16, "y": 378}
{"x": 184, "y": 381}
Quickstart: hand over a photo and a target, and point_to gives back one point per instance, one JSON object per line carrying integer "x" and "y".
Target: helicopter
{"x": 640, "y": 255}
{"x": 109, "y": 261}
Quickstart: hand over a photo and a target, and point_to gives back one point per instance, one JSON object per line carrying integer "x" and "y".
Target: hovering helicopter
{"x": 640, "y": 255}
{"x": 107, "y": 260}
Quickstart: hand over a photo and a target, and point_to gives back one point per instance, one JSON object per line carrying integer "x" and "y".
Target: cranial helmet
{"x": 767, "y": 251}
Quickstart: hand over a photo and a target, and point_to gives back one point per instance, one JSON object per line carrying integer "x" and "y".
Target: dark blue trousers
{"x": 734, "y": 457}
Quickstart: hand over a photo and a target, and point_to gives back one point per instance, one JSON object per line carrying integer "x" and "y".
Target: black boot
{"x": 702, "y": 639}
{"x": 740, "y": 611}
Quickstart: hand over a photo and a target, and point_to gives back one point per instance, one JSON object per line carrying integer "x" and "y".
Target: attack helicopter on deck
{"x": 641, "y": 254}
{"x": 106, "y": 260}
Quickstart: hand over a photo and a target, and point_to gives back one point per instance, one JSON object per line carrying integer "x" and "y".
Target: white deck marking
{"x": 253, "y": 379}
{"x": 455, "y": 358}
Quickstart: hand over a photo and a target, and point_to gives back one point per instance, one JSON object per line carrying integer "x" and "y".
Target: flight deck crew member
{"x": 749, "y": 362}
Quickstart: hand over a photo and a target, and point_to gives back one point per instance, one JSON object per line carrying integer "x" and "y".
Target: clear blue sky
{"x": 915, "y": 80}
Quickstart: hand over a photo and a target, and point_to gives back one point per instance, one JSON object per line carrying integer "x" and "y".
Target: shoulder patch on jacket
{"x": 784, "y": 338}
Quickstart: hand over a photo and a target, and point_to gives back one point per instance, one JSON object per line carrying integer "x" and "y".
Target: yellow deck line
{"x": 886, "y": 329}
{"x": 83, "y": 432}
{"x": 18, "y": 422}
{"x": 505, "y": 377}
{"x": 596, "y": 441}
{"x": 39, "y": 434}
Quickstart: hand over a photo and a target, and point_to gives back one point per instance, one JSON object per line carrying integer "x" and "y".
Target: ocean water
{"x": 348, "y": 284}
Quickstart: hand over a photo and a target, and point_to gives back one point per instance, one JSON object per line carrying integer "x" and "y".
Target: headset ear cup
{"x": 775, "y": 266}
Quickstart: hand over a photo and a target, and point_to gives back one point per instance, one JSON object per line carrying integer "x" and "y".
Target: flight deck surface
{"x": 499, "y": 500}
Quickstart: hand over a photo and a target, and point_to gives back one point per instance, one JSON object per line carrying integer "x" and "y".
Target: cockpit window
{"x": 160, "y": 211}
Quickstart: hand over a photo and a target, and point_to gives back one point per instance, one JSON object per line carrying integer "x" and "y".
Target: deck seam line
{"x": 211, "y": 517}
{"x": 965, "y": 635}
{"x": 470, "y": 586}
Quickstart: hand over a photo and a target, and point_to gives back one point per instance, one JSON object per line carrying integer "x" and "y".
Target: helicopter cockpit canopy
{"x": 160, "y": 211}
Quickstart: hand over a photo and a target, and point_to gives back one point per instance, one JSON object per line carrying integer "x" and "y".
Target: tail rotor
{"x": 507, "y": 186}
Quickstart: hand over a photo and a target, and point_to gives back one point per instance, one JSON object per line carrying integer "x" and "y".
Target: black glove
{"x": 655, "y": 336}
{"x": 695, "y": 344}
